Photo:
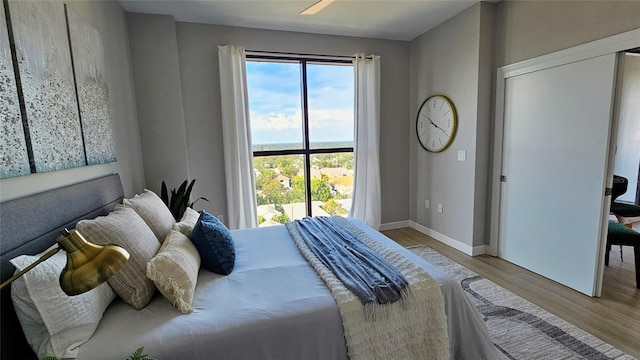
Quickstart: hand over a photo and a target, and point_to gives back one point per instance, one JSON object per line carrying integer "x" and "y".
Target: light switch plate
{"x": 462, "y": 155}
{"x": 440, "y": 208}
{"x": 426, "y": 204}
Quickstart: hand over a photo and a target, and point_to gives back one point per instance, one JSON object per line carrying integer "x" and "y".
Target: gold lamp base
{"x": 88, "y": 264}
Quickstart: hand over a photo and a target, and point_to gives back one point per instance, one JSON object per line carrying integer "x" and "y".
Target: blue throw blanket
{"x": 362, "y": 270}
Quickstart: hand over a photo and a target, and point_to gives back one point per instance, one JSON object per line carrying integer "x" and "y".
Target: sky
{"x": 275, "y": 102}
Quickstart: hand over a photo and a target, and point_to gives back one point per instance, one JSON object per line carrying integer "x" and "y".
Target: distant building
{"x": 297, "y": 211}
{"x": 268, "y": 211}
{"x": 329, "y": 172}
{"x": 285, "y": 181}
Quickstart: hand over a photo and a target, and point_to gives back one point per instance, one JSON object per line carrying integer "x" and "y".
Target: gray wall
{"x": 156, "y": 71}
{"x": 109, "y": 19}
{"x": 199, "y": 79}
{"x": 454, "y": 59}
{"x": 459, "y": 58}
{"x": 526, "y": 29}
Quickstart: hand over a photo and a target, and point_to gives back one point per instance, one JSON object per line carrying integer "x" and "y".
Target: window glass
{"x": 275, "y": 105}
{"x": 330, "y": 94}
{"x": 294, "y": 180}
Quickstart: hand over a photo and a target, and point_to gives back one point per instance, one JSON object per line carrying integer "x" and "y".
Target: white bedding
{"x": 272, "y": 306}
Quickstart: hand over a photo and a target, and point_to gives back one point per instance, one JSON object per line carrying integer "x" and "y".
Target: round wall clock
{"x": 436, "y": 123}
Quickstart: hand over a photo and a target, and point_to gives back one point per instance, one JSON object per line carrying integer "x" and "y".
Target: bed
{"x": 272, "y": 306}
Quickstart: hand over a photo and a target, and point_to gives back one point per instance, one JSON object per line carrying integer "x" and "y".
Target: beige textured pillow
{"x": 188, "y": 221}
{"x": 153, "y": 211}
{"x": 125, "y": 228}
{"x": 174, "y": 270}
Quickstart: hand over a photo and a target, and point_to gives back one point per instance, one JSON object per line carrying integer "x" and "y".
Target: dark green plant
{"x": 138, "y": 355}
{"x": 179, "y": 200}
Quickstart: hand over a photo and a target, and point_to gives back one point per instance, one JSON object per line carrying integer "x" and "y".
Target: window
{"x": 302, "y": 125}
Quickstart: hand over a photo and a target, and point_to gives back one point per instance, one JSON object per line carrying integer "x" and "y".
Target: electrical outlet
{"x": 426, "y": 204}
{"x": 440, "y": 208}
{"x": 220, "y": 217}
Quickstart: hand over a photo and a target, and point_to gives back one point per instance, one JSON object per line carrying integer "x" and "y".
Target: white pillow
{"x": 53, "y": 322}
{"x": 187, "y": 222}
{"x": 174, "y": 270}
{"x": 153, "y": 211}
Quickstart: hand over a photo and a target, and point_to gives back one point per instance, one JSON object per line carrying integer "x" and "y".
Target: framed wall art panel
{"x": 14, "y": 159}
{"x": 46, "y": 74}
{"x": 93, "y": 91}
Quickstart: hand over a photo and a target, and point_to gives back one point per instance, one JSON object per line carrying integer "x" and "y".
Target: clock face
{"x": 436, "y": 123}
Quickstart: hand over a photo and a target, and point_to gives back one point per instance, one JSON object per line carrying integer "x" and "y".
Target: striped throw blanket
{"x": 413, "y": 327}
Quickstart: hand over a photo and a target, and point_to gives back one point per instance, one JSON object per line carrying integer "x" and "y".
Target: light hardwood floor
{"x": 614, "y": 317}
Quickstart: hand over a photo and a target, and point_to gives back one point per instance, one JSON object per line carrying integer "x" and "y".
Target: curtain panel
{"x": 236, "y": 136}
{"x": 366, "y": 202}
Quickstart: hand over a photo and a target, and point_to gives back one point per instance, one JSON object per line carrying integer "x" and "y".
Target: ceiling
{"x": 383, "y": 19}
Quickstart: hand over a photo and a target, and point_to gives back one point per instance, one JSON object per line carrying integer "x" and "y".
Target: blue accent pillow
{"x": 214, "y": 243}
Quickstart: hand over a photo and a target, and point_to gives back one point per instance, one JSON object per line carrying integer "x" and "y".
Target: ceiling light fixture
{"x": 313, "y": 9}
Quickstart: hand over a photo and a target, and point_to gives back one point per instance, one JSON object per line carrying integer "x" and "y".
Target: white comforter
{"x": 272, "y": 306}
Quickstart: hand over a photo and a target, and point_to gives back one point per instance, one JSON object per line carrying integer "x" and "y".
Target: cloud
{"x": 275, "y": 102}
{"x": 318, "y": 119}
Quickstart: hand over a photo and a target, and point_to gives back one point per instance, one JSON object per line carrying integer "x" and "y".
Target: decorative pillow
{"x": 53, "y": 322}
{"x": 174, "y": 270}
{"x": 188, "y": 221}
{"x": 214, "y": 243}
{"x": 125, "y": 228}
{"x": 153, "y": 211}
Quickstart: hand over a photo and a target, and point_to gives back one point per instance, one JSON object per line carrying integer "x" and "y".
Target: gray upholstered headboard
{"x": 31, "y": 224}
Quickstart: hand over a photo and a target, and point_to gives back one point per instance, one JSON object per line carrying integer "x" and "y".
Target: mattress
{"x": 272, "y": 306}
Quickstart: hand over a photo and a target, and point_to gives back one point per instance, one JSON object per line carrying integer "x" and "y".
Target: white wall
{"x": 109, "y": 19}
{"x": 628, "y": 144}
{"x": 454, "y": 59}
{"x": 199, "y": 79}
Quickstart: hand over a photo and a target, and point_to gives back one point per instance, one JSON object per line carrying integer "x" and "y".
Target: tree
{"x": 265, "y": 176}
{"x": 272, "y": 192}
{"x": 282, "y": 218}
{"x": 334, "y": 208}
{"x": 288, "y": 170}
{"x": 320, "y": 188}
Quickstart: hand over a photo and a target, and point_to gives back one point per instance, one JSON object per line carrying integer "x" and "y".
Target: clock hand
{"x": 437, "y": 127}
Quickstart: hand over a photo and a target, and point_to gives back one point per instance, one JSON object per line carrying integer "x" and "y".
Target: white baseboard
{"x": 456, "y": 244}
{"x": 395, "y": 225}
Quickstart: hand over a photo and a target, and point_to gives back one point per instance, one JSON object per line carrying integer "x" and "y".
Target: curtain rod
{"x": 301, "y": 55}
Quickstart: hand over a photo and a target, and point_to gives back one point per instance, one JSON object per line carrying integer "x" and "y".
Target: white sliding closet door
{"x": 555, "y": 153}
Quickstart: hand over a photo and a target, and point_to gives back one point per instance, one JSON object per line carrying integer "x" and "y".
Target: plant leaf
{"x": 187, "y": 194}
{"x": 173, "y": 199}
{"x": 196, "y": 200}
{"x": 182, "y": 187}
{"x": 163, "y": 194}
{"x": 175, "y": 207}
{"x": 138, "y": 355}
